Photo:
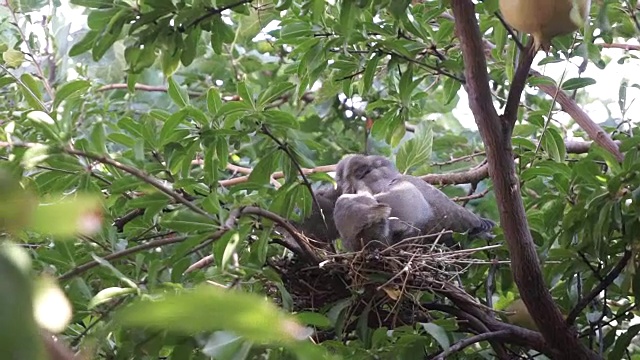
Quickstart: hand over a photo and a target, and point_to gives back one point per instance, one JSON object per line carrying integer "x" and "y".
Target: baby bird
{"x": 545, "y": 19}
{"x": 360, "y": 219}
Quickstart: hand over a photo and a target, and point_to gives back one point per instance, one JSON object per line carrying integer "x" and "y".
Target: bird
{"x": 405, "y": 221}
{"x": 545, "y": 19}
{"x": 518, "y": 314}
{"x": 428, "y": 210}
{"x": 361, "y": 219}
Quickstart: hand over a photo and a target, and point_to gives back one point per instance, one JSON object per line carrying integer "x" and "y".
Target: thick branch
{"x": 595, "y": 132}
{"x": 518, "y": 336}
{"x": 473, "y": 175}
{"x": 524, "y": 260}
{"x": 517, "y": 85}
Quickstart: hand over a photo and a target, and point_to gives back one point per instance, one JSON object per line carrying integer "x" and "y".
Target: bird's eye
{"x": 361, "y": 173}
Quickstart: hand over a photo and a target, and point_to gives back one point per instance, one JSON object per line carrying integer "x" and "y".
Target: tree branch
{"x": 517, "y": 85}
{"x": 627, "y": 47}
{"x": 608, "y": 280}
{"x": 285, "y": 147}
{"x": 460, "y": 345}
{"x": 307, "y": 252}
{"x": 496, "y": 136}
{"x": 518, "y": 336}
{"x": 595, "y": 132}
{"x": 472, "y": 322}
{"x": 140, "y": 87}
{"x": 117, "y": 255}
{"x": 142, "y": 176}
{"x": 216, "y": 11}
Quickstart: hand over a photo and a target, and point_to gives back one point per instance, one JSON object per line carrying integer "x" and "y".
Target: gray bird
{"x": 361, "y": 219}
{"x": 431, "y": 212}
{"x": 405, "y": 221}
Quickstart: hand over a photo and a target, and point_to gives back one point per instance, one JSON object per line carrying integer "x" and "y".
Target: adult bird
{"x": 545, "y": 19}
{"x": 413, "y": 201}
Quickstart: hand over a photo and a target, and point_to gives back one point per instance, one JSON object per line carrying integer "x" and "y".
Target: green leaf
{"x": 31, "y": 90}
{"x": 230, "y": 249}
{"x": 65, "y": 217}
{"x": 273, "y": 93}
{"x": 397, "y": 130}
{"x": 369, "y": 74}
{"x": 177, "y": 94}
{"x": 438, "y": 333}
{"x": 283, "y": 4}
{"x": 108, "y": 294}
{"x": 278, "y": 118}
{"x": 188, "y": 221}
{"x": 35, "y": 155}
{"x": 208, "y": 308}
{"x": 214, "y": 101}
{"x": 577, "y": 83}
{"x": 405, "y": 87}
{"x": 102, "y": 45}
{"x": 190, "y": 47}
{"x": 261, "y": 173}
{"x": 623, "y": 342}
{"x": 85, "y": 44}
{"x": 553, "y": 144}
{"x": 540, "y": 80}
{"x": 19, "y": 335}
{"x": 417, "y": 151}
{"x": 245, "y": 95}
{"x": 13, "y": 58}
{"x": 16, "y": 203}
{"x": 233, "y": 107}
{"x": 347, "y": 16}
{"x": 115, "y": 271}
{"x": 296, "y": 30}
{"x": 69, "y": 89}
{"x": 450, "y": 88}
{"x": 314, "y": 319}
{"x": 227, "y": 345}
{"x": 171, "y": 124}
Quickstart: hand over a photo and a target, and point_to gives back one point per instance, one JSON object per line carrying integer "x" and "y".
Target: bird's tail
{"x": 485, "y": 226}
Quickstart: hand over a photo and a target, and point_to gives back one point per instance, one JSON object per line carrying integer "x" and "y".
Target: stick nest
{"x": 378, "y": 274}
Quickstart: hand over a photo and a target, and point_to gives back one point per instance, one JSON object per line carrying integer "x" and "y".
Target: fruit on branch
{"x": 545, "y": 19}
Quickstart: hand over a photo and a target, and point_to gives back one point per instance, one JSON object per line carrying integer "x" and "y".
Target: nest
{"x": 388, "y": 281}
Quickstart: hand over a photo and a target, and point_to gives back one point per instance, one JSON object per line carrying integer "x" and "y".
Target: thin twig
{"x": 142, "y": 176}
{"x": 460, "y": 345}
{"x": 117, "y": 255}
{"x": 285, "y": 147}
{"x": 27, "y": 43}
